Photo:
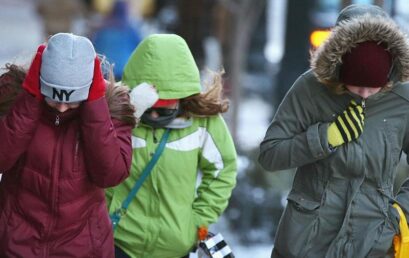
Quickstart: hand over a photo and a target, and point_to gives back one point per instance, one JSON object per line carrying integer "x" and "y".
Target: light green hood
{"x": 165, "y": 61}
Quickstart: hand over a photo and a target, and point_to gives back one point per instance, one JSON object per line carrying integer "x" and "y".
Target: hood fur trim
{"x": 327, "y": 59}
{"x": 119, "y": 103}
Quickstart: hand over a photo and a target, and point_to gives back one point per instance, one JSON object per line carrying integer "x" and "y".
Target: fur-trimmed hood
{"x": 353, "y": 29}
{"x": 116, "y": 95}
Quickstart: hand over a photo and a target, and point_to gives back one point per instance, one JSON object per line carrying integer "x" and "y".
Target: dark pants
{"x": 121, "y": 254}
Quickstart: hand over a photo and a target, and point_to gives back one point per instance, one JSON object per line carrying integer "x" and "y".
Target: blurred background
{"x": 262, "y": 45}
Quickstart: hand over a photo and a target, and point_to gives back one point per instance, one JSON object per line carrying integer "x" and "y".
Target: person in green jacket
{"x": 344, "y": 125}
{"x": 192, "y": 181}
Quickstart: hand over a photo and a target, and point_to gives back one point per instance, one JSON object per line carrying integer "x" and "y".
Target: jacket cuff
{"x": 318, "y": 142}
{"x": 197, "y": 220}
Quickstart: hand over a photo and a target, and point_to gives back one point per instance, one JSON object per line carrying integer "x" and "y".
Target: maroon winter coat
{"x": 55, "y": 169}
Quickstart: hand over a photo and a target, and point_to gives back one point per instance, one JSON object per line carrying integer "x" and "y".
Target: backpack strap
{"x": 118, "y": 213}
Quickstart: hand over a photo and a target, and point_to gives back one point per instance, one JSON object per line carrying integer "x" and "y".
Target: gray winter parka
{"x": 340, "y": 202}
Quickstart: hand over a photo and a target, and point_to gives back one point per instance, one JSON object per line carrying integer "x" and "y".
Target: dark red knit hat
{"x": 367, "y": 65}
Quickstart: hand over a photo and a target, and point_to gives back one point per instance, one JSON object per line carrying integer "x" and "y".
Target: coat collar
{"x": 51, "y": 115}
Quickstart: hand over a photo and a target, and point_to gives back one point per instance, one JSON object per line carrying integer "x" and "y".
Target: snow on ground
{"x": 257, "y": 251}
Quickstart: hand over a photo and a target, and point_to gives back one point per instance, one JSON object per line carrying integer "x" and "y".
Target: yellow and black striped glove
{"x": 348, "y": 126}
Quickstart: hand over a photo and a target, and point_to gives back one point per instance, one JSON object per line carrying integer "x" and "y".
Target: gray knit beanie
{"x": 67, "y": 68}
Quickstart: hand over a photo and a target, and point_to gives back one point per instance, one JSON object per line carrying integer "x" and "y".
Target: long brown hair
{"x": 207, "y": 103}
{"x": 119, "y": 102}
{"x": 10, "y": 86}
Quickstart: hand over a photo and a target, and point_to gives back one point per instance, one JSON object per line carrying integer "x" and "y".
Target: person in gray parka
{"x": 344, "y": 125}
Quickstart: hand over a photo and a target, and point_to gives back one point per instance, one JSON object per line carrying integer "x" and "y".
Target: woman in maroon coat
{"x": 59, "y": 148}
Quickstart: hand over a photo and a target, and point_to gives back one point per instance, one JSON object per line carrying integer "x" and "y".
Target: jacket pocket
{"x": 100, "y": 230}
{"x": 181, "y": 238}
{"x": 302, "y": 204}
{"x": 4, "y": 219}
{"x": 297, "y": 225}
{"x": 393, "y": 148}
{"x": 383, "y": 244}
{"x": 394, "y": 219}
{"x": 76, "y": 159}
{"x": 191, "y": 233}
{"x": 13, "y": 226}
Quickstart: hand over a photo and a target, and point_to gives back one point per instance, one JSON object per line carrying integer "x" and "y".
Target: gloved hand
{"x": 32, "y": 81}
{"x": 97, "y": 89}
{"x": 143, "y": 97}
{"x": 348, "y": 126}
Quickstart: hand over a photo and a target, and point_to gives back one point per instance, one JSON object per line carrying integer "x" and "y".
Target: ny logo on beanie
{"x": 60, "y": 95}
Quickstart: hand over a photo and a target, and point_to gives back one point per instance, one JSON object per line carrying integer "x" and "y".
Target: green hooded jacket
{"x": 192, "y": 181}
{"x": 340, "y": 204}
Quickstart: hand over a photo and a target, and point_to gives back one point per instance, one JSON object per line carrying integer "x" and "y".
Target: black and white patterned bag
{"x": 214, "y": 246}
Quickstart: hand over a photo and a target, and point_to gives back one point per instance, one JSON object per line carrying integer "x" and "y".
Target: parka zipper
{"x": 57, "y": 120}
{"x": 76, "y": 161}
{"x": 55, "y": 172}
{"x": 155, "y": 140}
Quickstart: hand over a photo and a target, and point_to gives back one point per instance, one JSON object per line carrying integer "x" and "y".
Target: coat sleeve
{"x": 403, "y": 197}
{"x": 403, "y": 194}
{"x": 218, "y": 166}
{"x": 107, "y": 144}
{"x": 294, "y": 138}
{"x": 17, "y": 129}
